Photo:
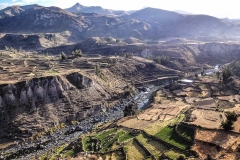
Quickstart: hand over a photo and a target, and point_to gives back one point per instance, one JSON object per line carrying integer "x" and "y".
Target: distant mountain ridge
{"x": 147, "y": 23}
{"x": 95, "y": 9}
{"x": 15, "y": 10}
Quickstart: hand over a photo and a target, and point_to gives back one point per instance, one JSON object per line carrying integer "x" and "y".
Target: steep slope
{"x": 117, "y": 27}
{"x": 219, "y": 52}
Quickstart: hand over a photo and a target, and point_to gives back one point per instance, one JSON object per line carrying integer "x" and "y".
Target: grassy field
{"x": 186, "y": 132}
{"x": 156, "y": 127}
{"x": 103, "y": 135}
{"x": 169, "y": 135}
{"x": 134, "y": 151}
{"x": 125, "y": 136}
{"x": 156, "y": 148}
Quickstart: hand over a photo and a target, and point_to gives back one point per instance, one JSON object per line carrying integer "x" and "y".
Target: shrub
{"x": 228, "y": 124}
{"x": 77, "y": 53}
{"x": 63, "y": 56}
{"x": 128, "y": 55}
{"x": 21, "y": 50}
{"x": 162, "y": 59}
{"x": 226, "y": 74}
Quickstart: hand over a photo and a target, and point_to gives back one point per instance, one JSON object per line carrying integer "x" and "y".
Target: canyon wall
{"x": 41, "y": 103}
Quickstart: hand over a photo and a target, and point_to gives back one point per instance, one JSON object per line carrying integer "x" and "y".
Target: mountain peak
{"x": 78, "y": 5}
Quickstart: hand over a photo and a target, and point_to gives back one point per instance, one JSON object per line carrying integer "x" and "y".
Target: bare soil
{"x": 208, "y": 118}
{"x": 219, "y": 137}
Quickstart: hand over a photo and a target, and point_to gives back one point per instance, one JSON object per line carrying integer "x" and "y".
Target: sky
{"x": 217, "y": 8}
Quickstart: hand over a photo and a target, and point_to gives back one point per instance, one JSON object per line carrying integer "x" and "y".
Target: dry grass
{"x": 137, "y": 124}
{"x": 158, "y": 126}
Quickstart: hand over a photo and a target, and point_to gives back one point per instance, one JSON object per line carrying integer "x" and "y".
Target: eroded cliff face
{"x": 41, "y": 103}
{"x": 220, "y": 51}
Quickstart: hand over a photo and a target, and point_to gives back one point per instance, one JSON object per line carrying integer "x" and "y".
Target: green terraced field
{"x": 125, "y": 136}
{"x": 156, "y": 148}
{"x": 169, "y": 135}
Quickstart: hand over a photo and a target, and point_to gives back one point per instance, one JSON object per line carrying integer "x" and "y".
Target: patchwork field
{"x": 206, "y": 103}
{"x": 204, "y": 149}
{"x": 208, "y": 118}
{"x": 218, "y": 137}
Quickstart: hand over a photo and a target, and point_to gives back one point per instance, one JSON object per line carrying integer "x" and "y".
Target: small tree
{"x": 97, "y": 69}
{"x": 228, "y": 124}
{"x": 162, "y": 59}
{"x": 6, "y": 48}
{"x": 21, "y": 50}
{"x": 77, "y": 53}
{"x": 129, "y": 55}
{"x": 63, "y": 56}
{"x": 202, "y": 73}
{"x": 231, "y": 116}
{"x": 196, "y": 75}
{"x": 226, "y": 74}
{"x": 218, "y": 74}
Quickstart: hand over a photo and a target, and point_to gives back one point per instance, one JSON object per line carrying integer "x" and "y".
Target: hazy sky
{"x": 217, "y": 8}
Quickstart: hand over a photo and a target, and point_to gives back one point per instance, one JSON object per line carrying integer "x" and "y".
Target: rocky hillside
{"x": 31, "y": 102}
{"x": 35, "y": 42}
{"x": 48, "y": 101}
